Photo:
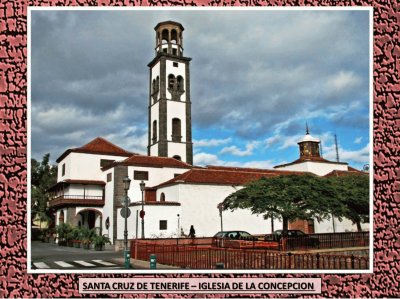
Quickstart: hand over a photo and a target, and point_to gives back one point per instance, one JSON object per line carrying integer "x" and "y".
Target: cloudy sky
{"x": 257, "y": 76}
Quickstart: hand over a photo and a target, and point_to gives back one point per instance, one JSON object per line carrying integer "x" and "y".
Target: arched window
{"x": 176, "y": 130}
{"x": 154, "y": 87}
{"x": 158, "y": 83}
{"x": 177, "y": 157}
{"x": 162, "y": 197}
{"x": 180, "y": 83}
{"x": 164, "y": 36}
{"x": 174, "y": 36}
{"x": 171, "y": 81}
{"x": 154, "y": 131}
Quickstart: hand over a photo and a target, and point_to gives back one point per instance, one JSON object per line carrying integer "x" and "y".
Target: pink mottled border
{"x": 14, "y": 280}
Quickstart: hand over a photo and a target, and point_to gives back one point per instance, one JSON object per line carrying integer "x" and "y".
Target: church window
{"x": 140, "y": 175}
{"x": 154, "y": 131}
{"x": 171, "y": 81}
{"x": 105, "y": 162}
{"x": 174, "y": 36}
{"x": 162, "y": 197}
{"x": 180, "y": 83}
{"x": 109, "y": 177}
{"x": 175, "y": 64}
{"x": 174, "y": 51}
{"x": 154, "y": 86}
{"x": 176, "y": 130}
{"x": 164, "y": 36}
{"x": 63, "y": 169}
{"x": 177, "y": 158}
{"x": 163, "y": 224}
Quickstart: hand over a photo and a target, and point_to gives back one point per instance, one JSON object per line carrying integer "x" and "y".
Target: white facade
{"x": 318, "y": 168}
{"x": 83, "y": 166}
{"x": 199, "y": 208}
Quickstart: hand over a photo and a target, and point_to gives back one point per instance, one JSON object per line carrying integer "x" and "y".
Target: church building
{"x": 176, "y": 194}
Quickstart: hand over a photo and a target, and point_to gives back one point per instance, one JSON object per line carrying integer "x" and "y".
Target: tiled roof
{"x": 140, "y": 160}
{"x": 223, "y": 176}
{"x": 342, "y": 172}
{"x": 310, "y": 159}
{"x": 98, "y": 146}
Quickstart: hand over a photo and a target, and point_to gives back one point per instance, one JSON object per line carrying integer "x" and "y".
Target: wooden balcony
{"x": 77, "y": 200}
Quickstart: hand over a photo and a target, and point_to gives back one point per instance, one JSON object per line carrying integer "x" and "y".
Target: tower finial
{"x": 307, "y": 130}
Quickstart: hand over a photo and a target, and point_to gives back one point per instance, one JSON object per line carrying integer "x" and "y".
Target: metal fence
{"x": 328, "y": 240}
{"x": 207, "y": 257}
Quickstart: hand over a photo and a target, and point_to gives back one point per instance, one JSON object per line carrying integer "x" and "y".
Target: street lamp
{"x": 179, "y": 231}
{"x": 142, "y": 186}
{"x": 127, "y": 183}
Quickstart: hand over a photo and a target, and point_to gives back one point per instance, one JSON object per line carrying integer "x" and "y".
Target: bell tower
{"x": 170, "y": 119}
{"x": 309, "y": 146}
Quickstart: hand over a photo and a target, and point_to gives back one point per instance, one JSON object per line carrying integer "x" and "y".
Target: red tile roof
{"x": 310, "y": 159}
{"x": 223, "y": 176}
{"x": 342, "y": 172}
{"x": 140, "y": 160}
{"x": 99, "y": 146}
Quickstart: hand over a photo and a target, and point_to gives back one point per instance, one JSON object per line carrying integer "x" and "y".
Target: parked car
{"x": 235, "y": 234}
{"x": 297, "y": 237}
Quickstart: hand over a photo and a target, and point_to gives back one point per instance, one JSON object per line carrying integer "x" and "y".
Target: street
{"x": 47, "y": 256}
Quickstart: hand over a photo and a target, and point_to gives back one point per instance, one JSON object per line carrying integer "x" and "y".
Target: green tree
{"x": 287, "y": 197}
{"x": 353, "y": 193}
{"x": 43, "y": 176}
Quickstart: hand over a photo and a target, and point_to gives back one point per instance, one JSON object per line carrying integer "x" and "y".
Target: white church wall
{"x": 178, "y": 149}
{"x": 171, "y": 193}
{"x": 157, "y": 175}
{"x": 67, "y": 161}
{"x": 81, "y": 166}
{"x": 154, "y": 150}
{"x": 317, "y": 168}
{"x": 154, "y": 113}
{"x": 109, "y": 204}
{"x": 151, "y": 222}
{"x": 199, "y": 208}
{"x": 176, "y": 110}
{"x": 346, "y": 225}
{"x": 155, "y": 71}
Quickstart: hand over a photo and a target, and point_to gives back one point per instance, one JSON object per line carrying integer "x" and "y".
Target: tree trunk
{"x": 285, "y": 225}
{"x": 359, "y": 229}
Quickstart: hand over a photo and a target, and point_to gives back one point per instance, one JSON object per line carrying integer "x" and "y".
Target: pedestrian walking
{"x": 192, "y": 232}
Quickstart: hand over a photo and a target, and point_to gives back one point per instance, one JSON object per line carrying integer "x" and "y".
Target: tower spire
{"x": 307, "y": 130}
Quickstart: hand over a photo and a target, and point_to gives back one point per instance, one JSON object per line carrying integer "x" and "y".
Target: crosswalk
{"x": 79, "y": 264}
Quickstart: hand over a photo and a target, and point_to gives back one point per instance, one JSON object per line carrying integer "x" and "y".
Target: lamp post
{"x": 142, "y": 186}
{"x": 179, "y": 231}
{"x": 127, "y": 183}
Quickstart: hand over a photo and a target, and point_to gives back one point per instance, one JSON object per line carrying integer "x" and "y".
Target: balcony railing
{"x": 98, "y": 197}
{"x": 79, "y": 200}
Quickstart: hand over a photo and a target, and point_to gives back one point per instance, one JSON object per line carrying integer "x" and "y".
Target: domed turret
{"x": 169, "y": 38}
{"x": 309, "y": 146}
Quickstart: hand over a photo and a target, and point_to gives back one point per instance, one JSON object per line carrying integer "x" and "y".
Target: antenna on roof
{"x": 320, "y": 148}
{"x": 337, "y": 149}
{"x": 307, "y": 130}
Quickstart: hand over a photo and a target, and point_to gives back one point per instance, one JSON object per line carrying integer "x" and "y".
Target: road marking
{"x": 86, "y": 264}
{"x": 103, "y": 263}
{"x": 64, "y": 264}
{"x": 41, "y": 265}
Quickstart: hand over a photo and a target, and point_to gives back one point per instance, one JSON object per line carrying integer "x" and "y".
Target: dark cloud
{"x": 251, "y": 70}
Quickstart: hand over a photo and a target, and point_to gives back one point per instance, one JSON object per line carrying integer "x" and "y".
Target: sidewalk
{"x": 139, "y": 264}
